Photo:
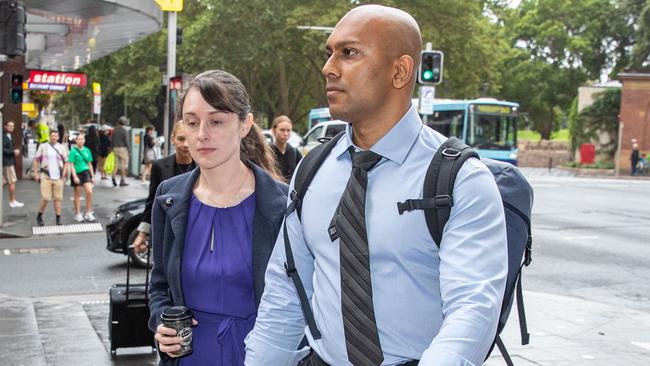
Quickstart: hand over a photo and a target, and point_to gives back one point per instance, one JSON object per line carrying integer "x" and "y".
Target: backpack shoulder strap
{"x": 308, "y": 168}
{"x": 304, "y": 175}
{"x": 439, "y": 183}
{"x": 437, "y": 196}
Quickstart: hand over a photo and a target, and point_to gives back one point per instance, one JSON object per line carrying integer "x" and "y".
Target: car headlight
{"x": 117, "y": 216}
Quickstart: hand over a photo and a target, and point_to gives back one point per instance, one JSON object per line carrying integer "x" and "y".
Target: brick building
{"x": 635, "y": 114}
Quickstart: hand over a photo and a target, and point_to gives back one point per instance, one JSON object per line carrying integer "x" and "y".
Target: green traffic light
{"x": 16, "y": 96}
{"x": 427, "y": 75}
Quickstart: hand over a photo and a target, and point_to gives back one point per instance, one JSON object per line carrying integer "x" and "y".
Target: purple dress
{"x": 217, "y": 281}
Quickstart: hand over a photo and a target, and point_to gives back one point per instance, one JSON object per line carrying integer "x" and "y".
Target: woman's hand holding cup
{"x": 168, "y": 341}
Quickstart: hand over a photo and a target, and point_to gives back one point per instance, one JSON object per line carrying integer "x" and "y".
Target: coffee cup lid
{"x": 176, "y": 313}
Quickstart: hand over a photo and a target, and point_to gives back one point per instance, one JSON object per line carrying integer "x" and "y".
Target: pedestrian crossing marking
{"x": 67, "y": 229}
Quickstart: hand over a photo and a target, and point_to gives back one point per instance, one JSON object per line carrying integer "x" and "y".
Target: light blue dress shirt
{"x": 438, "y": 306}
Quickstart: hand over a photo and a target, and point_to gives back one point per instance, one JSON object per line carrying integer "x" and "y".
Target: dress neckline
{"x": 242, "y": 202}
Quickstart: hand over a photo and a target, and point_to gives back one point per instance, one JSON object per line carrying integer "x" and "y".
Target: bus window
{"x": 448, "y": 123}
{"x": 492, "y": 131}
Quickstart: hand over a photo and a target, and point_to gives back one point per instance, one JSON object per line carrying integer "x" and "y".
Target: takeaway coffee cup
{"x": 180, "y": 318}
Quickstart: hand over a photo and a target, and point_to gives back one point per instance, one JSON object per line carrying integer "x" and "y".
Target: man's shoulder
{"x": 61, "y": 148}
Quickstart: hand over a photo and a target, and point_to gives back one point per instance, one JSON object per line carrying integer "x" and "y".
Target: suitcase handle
{"x": 128, "y": 275}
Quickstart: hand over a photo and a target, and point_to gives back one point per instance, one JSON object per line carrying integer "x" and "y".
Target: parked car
{"x": 122, "y": 230}
{"x": 320, "y": 133}
{"x": 295, "y": 139}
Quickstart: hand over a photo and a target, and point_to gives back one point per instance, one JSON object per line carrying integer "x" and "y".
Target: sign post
{"x": 172, "y": 7}
{"x": 97, "y": 101}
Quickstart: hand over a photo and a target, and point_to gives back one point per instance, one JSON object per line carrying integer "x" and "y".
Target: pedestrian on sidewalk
{"x": 381, "y": 290}
{"x": 224, "y": 217}
{"x": 9, "y": 155}
{"x": 104, "y": 149}
{"x": 163, "y": 169}
{"x": 50, "y": 169}
{"x": 120, "y": 143}
{"x": 149, "y": 156}
{"x": 634, "y": 157}
{"x": 286, "y": 155}
{"x": 92, "y": 143}
{"x": 82, "y": 174}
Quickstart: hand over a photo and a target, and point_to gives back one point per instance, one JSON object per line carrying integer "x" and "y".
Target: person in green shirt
{"x": 80, "y": 161}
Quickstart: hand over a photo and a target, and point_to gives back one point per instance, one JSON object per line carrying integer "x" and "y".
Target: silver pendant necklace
{"x": 226, "y": 206}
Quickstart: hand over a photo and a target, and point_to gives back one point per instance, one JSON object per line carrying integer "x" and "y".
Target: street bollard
{"x": 550, "y": 164}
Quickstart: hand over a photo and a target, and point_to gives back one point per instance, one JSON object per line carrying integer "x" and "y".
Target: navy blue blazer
{"x": 169, "y": 220}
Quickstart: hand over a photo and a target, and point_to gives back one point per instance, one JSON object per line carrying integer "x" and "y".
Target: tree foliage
{"x": 602, "y": 117}
{"x": 536, "y": 54}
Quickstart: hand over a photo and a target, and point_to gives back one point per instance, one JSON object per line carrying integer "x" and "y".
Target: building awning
{"x": 65, "y": 35}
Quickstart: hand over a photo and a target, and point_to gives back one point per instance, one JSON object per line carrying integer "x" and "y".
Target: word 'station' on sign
{"x": 170, "y": 5}
{"x": 55, "y": 80}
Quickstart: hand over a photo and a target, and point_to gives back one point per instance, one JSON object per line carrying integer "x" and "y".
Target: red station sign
{"x": 39, "y": 79}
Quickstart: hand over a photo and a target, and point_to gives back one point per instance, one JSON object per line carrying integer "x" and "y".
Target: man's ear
{"x": 404, "y": 69}
{"x": 246, "y": 126}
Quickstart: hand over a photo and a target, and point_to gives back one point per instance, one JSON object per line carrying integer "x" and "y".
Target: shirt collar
{"x": 395, "y": 145}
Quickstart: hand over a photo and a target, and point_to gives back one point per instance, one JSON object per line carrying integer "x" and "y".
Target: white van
{"x": 323, "y": 130}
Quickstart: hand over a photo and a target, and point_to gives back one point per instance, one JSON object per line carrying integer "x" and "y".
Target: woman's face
{"x": 282, "y": 131}
{"x": 180, "y": 142}
{"x": 213, "y": 137}
{"x": 81, "y": 139}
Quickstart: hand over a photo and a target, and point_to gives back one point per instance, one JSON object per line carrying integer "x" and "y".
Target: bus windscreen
{"x": 492, "y": 129}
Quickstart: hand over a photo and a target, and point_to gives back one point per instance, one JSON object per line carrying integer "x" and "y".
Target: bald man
{"x": 381, "y": 291}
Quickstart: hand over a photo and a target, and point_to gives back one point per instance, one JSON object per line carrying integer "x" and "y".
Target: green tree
{"x": 602, "y": 117}
{"x": 558, "y": 45}
{"x": 640, "y": 59}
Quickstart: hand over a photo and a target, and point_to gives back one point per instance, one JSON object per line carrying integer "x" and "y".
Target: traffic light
{"x": 16, "y": 88}
{"x": 12, "y": 28}
{"x": 179, "y": 35}
{"x": 430, "y": 71}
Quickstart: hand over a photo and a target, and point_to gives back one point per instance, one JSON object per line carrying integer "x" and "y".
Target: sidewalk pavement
{"x": 564, "y": 332}
{"x": 18, "y": 222}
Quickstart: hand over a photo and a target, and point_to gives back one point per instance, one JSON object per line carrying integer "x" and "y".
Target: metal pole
{"x": 171, "y": 71}
{"x": 2, "y": 191}
{"x": 617, "y": 163}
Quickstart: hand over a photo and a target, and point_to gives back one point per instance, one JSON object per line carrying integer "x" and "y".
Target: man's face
{"x": 9, "y": 126}
{"x": 358, "y": 73}
{"x": 54, "y": 137}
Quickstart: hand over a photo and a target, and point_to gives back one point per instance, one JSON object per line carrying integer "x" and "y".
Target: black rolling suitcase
{"x": 129, "y": 313}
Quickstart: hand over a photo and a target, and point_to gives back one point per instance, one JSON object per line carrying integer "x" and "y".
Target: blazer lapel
{"x": 270, "y": 203}
{"x": 176, "y": 203}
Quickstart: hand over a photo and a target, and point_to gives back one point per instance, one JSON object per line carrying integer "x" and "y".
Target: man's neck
{"x": 366, "y": 133}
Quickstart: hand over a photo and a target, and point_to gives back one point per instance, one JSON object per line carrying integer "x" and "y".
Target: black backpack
{"x": 516, "y": 194}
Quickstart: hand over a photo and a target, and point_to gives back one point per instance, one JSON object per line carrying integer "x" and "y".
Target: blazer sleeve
{"x": 154, "y": 182}
{"x": 159, "y": 297}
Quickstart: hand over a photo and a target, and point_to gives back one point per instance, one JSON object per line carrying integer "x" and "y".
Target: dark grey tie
{"x": 361, "y": 335}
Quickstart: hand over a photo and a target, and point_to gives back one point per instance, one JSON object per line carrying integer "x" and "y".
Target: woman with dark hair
{"x": 104, "y": 149}
{"x": 214, "y": 228}
{"x": 92, "y": 143}
{"x": 149, "y": 156}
